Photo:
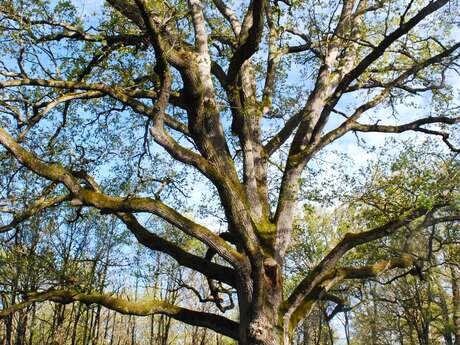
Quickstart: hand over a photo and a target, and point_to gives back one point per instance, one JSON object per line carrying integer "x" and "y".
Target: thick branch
{"x": 326, "y": 275}
{"x": 280, "y": 138}
{"x": 249, "y": 44}
{"x": 337, "y": 276}
{"x": 173, "y": 53}
{"x": 201, "y": 37}
{"x": 374, "y": 270}
{"x": 350, "y": 241}
{"x": 155, "y": 242}
{"x": 146, "y": 307}
{"x": 230, "y": 15}
{"x": 342, "y": 86}
{"x": 39, "y": 205}
{"x": 83, "y": 196}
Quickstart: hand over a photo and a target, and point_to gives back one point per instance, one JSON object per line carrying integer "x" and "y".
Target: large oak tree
{"x": 213, "y": 86}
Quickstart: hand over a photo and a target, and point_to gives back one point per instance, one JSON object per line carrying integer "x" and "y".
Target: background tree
{"x": 412, "y": 306}
{"x": 128, "y": 111}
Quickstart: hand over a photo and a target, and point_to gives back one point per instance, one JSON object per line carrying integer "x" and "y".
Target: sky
{"x": 88, "y": 6}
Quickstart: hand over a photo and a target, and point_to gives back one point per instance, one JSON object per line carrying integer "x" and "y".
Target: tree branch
{"x": 349, "y": 241}
{"x": 325, "y": 275}
{"x": 86, "y": 197}
{"x": 380, "y": 49}
{"x": 155, "y": 242}
{"x": 374, "y": 270}
{"x": 413, "y": 126}
{"x": 230, "y": 15}
{"x": 38, "y": 206}
{"x": 95, "y": 90}
{"x": 249, "y": 44}
{"x": 146, "y": 307}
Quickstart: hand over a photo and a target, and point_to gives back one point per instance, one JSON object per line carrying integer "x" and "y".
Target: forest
{"x": 222, "y": 172}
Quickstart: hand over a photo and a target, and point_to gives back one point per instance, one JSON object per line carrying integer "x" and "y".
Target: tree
{"x": 212, "y": 87}
{"x": 412, "y": 306}
{"x": 416, "y": 310}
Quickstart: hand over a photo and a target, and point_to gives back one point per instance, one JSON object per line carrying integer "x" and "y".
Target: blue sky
{"x": 88, "y": 6}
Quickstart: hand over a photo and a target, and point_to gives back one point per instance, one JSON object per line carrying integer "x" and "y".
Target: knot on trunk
{"x": 261, "y": 332}
{"x": 272, "y": 272}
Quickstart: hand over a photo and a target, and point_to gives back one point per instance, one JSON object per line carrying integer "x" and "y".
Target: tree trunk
{"x": 456, "y": 302}
{"x": 32, "y": 325}
{"x": 9, "y": 330}
{"x": 75, "y": 325}
{"x": 446, "y": 330}
{"x": 261, "y": 319}
{"x": 21, "y": 327}
{"x": 264, "y": 332}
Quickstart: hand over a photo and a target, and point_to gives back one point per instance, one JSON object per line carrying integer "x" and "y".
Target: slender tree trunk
{"x": 32, "y": 325}
{"x": 455, "y": 271}
{"x": 21, "y": 327}
{"x": 14, "y": 288}
{"x": 85, "y": 335}
{"x": 106, "y": 326}
{"x": 373, "y": 334}
{"x": 113, "y": 328}
{"x": 75, "y": 327}
{"x": 446, "y": 330}
{"x": 9, "y": 330}
{"x": 59, "y": 314}
{"x": 320, "y": 329}
{"x": 151, "y": 331}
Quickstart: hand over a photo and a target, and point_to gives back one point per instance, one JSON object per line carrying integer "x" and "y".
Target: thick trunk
{"x": 261, "y": 321}
{"x": 263, "y": 332}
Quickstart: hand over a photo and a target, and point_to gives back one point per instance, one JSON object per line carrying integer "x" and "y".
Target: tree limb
{"x": 250, "y": 43}
{"x": 155, "y": 242}
{"x": 86, "y": 197}
{"x": 413, "y": 126}
{"x": 33, "y": 209}
{"x": 94, "y": 90}
{"x": 146, "y": 307}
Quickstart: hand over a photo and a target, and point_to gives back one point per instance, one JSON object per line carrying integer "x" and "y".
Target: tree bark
{"x": 263, "y": 325}
{"x": 455, "y": 271}
{"x": 21, "y": 327}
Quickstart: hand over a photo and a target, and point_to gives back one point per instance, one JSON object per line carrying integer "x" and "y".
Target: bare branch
{"x": 413, "y": 126}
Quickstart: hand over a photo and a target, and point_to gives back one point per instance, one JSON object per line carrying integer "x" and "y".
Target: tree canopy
{"x": 204, "y": 129}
